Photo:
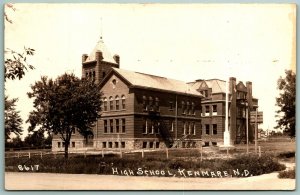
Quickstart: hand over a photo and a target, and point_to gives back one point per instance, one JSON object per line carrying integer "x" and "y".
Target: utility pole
{"x": 255, "y": 131}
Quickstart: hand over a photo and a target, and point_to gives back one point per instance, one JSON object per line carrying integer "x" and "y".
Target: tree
{"x": 35, "y": 139}
{"x": 12, "y": 118}
{"x": 287, "y": 103}
{"x": 15, "y": 65}
{"x": 63, "y": 105}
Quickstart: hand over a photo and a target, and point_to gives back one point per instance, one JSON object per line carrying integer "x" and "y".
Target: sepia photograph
{"x": 149, "y": 96}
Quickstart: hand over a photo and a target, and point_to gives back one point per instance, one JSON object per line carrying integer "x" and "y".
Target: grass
{"x": 98, "y": 165}
{"x": 189, "y": 159}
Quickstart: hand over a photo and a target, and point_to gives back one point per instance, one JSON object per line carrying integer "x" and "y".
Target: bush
{"x": 287, "y": 174}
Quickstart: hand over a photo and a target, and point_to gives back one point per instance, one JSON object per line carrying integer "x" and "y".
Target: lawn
{"x": 209, "y": 159}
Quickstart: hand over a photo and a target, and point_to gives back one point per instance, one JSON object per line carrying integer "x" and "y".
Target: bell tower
{"x": 96, "y": 65}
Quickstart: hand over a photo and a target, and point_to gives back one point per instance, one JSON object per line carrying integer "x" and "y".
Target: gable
{"x": 114, "y": 85}
{"x": 203, "y": 85}
{"x": 241, "y": 87}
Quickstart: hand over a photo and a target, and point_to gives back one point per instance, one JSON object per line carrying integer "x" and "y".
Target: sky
{"x": 252, "y": 42}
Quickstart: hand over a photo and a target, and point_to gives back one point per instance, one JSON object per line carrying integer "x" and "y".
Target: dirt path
{"x": 51, "y": 181}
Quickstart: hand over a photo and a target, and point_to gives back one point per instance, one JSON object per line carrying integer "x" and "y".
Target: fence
{"x": 168, "y": 153}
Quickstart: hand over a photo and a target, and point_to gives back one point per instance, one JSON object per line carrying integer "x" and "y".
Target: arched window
{"x": 123, "y": 101}
{"x": 117, "y": 103}
{"x": 105, "y": 104}
{"x": 111, "y": 103}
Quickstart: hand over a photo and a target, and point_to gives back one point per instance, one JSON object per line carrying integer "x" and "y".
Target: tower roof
{"x": 100, "y": 46}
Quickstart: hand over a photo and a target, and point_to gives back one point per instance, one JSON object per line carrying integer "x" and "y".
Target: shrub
{"x": 287, "y": 174}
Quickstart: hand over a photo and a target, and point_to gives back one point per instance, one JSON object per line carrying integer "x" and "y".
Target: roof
{"x": 217, "y": 85}
{"x": 100, "y": 46}
{"x": 156, "y": 82}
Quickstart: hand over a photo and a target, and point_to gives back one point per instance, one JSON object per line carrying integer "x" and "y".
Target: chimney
{"x": 117, "y": 58}
{"x": 84, "y": 57}
{"x": 99, "y": 56}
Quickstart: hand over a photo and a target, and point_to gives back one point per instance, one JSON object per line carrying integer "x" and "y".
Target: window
{"x": 150, "y": 103}
{"x": 103, "y": 74}
{"x": 145, "y": 126}
{"x": 156, "y": 104}
{"x": 215, "y": 129}
{"x": 117, "y": 125}
{"x": 190, "y": 128}
{"x": 73, "y": 144}
{"x": 105, "y": 104}
{"x": 214, "y": 143}
{"x": 111, "y": 124}
{"x": 214, "y": 111}
{"x": 171, "y": 105}
{"x": 114, "y": 82}
{"x": 86, "y": 75}
{"x": 103, "y": 144}
{"x": 123, "y": 102}
{"x": 94, "y": 75}
{"x": 152, "y": 128}
{"x": 157, "y": 145}
{"x": 157, "y": 128}
{"x": 205, "y": 93}
{"x": 207, "y": 113}
{"x": 206, "y": 144}
{"x": 171, "y": 122}
{"x": 187, "y": 108}
{"x": 111, "y": 103}
{"x": 193, "y": 108}
{"x": 117, "y": 103}
{"x": 63, "y": 144}
{"x": 122, "y": 144}
{"x": 183, "y": 107}
{"x": 144, "y": 103}
{"x": 184, "y": 128}
{"x": 151, "y": 145}
{"x": 105, "y": 126}
{"x": 194, "y": 128}
{"x": 207, "y": 129}
{"x": 110, "y": 144}
{"x": 116, "y": 144}
{"x": 123, "y": 125}
{"x": 58, "y": 144}
{"x": 144, "y": 144}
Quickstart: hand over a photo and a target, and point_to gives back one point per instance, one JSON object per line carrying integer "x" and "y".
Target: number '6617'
{"x": 28, "y": 168}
